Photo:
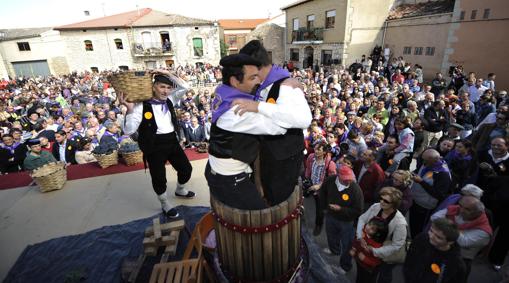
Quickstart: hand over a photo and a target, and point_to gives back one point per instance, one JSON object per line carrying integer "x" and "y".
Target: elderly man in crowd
{"x": 473, "y": 224}
{"x": 430, "y": 187}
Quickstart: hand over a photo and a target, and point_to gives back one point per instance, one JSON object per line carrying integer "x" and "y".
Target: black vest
{"x": 287, "y": 145}
{"x": 148, "y": 127}
{"x": 226, "y": 144}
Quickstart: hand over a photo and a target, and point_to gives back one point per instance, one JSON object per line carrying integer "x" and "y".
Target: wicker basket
{"x": 107, "y": 160}
{"x": 50, "y": 177}
{"x": 137, "y": 85}
{"x": 132, "y": 158}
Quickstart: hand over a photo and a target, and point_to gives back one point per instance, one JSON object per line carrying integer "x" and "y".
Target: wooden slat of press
{"x": 257, "y": 247}
{"x": 163, "y": 271}
{"x": 247, "y": 251}
{"x": 186, "y": 270}
{"x": 237, "y": 240}
{"x": 171, "y": 274}
{"x": 297, "y": 224}
{"x": 220, "y": 236}
{"x": 276, "y": 242}
{"x": 178, "y": 274}
{"x": 284, "y": 237}
{"x": 172, "y": 249}
{"x": 267, "y": 245}
{"x": 227, "y": 212}
{"x": 157, "y": 228}
{"x": 136, "y": 269}
{"x": 292, "y": 254}
{"x": 166, "y": 227}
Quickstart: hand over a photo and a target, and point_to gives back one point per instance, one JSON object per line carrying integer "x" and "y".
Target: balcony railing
{"x": 152, "y": 49}
{"x": 305, "y": 34}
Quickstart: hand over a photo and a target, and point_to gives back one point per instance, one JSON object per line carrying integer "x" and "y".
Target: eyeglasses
{"x": 385, "y": 201}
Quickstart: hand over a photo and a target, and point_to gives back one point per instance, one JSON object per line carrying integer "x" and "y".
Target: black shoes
{"x": 172, "y": 213}
{"x": 189, "y": 194}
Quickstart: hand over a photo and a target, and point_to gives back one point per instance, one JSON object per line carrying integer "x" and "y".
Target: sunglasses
{"x": 385, "y": 201}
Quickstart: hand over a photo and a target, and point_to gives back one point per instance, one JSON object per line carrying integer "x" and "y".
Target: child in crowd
{"x": 374, "y": 234}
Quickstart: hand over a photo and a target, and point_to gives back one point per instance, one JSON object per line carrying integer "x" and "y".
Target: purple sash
{"x": 439, "y": 166}
{"x": 276, "y": 73}
{"x": 224, "y": 97}
{"x": 11, "y": 148}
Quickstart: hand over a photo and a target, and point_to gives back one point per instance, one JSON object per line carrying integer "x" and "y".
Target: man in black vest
{"x": 158, "y": 138}
{"x": 234, "y": 142}
{"x": 281, "y": 100}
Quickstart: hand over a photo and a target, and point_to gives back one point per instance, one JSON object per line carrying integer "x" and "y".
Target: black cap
{"x": 163, "y": 79}
{"x": 457, "y": 126}
{"x": 239, "y": 60}
{"x": 251, "y": 47}
{"x": 31, "y": 142}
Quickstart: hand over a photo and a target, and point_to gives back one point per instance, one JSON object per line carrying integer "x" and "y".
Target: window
{"x": 23, "y": 46}
{"x": 232, "y": 40}
{"x": 473, "y": 14}
{"x": 462, "y": 15}
{"x": 123, "y": 68}
{"x": 269, "y": 53}
{"x": 326, "y": 57}
{"x": 330, "y": 18}
{"x": 407, "y": 50}
{"x": 118, "y": 43}
{"x": 94, "y": 69}
{"x": 486, "y": 14}
{"x": 198, "y": 47}
{"x": 418, "y": 51}
{"x": 311, "y": 22}
{"x": 295, "y": 24}
{"x": 88, "y": 45}
{"x": 430, "y": 51}
{"x": 294, "y": 54}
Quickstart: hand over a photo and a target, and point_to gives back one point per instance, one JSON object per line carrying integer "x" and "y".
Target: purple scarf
{"x": 224, "y": 98}
{"x": 439, "y": 166}
{"x": 11, "y": 148}
{"x": 163, "y": 104}
{"x": 276, "y": 73}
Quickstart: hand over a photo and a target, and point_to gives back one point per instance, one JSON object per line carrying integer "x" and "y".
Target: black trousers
{"x": 419, "y": 217}
{"x": 279, "y": 177}
{"x": 500, "y": 246}
{"x": 237, "y": 191}
{"x": 167, "y": 148}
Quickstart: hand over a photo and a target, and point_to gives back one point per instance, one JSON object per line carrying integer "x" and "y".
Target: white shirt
{"x": 248, "y": 123}
{"x": 291, "y": 109}
{"x": 61, "y": 151}
{"x": 163, "y": 119}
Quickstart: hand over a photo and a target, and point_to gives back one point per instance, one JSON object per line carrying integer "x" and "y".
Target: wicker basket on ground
{"x": 137, "y": 85}
{"x": 50, "y": 177}
{"x": 132, "y": 158}
{"x": 107, "y": 160}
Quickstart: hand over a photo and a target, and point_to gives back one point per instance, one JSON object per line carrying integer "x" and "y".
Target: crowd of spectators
{"x": 371, "y": 122}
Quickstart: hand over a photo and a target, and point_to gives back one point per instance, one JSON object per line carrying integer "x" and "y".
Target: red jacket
{"x": 480, "y": 222}
{"x": 329, "y": 164}
{"x": 370, "y": 181}
{"x": 370, "y": 261}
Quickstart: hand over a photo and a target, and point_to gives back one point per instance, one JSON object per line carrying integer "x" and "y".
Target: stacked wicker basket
{"x": 107, "y": 160}
{"x": 136, "y": 85}
{"x": 50, "y": 177}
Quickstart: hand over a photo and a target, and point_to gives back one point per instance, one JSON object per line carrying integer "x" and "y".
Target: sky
{"x": 50, "y": 13}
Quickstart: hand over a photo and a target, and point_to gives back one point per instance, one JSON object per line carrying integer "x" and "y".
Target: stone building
{"x": 140, "y": 39}
{"x": 234, "y": 32}
{"x": 333, "y": 31}
{"x": 272, "y": 36}
{"x": 31, "y": 52}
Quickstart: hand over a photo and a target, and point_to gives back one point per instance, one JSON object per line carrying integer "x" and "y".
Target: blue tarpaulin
{"x": 97, "y": 256}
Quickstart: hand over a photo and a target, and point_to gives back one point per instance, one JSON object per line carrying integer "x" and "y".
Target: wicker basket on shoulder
{"x": 132, "y": 158}
{"x": 137, "y": 85}
{"x": 50, "y": 177}
{"x": 107, "y": 160}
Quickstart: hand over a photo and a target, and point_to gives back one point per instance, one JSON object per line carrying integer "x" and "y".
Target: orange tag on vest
{"x": 429, "y": 175}
{"x": 148, "y": 115}
{"x": 271, "y": 100}
{"x": 345, "y": 197}
{"x": 435, "y": 268}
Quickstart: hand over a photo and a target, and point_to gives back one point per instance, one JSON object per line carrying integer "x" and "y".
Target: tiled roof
{"x": 118, "y": 20}
{"x": 421, "y": 9}
{"x": 240, "y": 23}
{"x": 295, "y": 4}
{"x": 157, "y": 18}
{"x": 10, "y": 34}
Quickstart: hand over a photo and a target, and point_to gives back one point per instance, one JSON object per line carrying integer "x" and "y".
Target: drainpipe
{"x": 383, "y": 35}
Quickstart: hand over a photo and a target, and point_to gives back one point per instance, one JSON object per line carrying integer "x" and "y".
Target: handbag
{"x": 398, "y": 256}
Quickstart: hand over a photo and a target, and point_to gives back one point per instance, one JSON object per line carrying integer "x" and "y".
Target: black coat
{"x": 433, "y": 121}
{"x": 7, "y": 166}
{"x": 70, "y": 152}
{"x": 197, "y": 136}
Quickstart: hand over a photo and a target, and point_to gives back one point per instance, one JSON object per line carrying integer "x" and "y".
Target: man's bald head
{"x": 430, "y": 156}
